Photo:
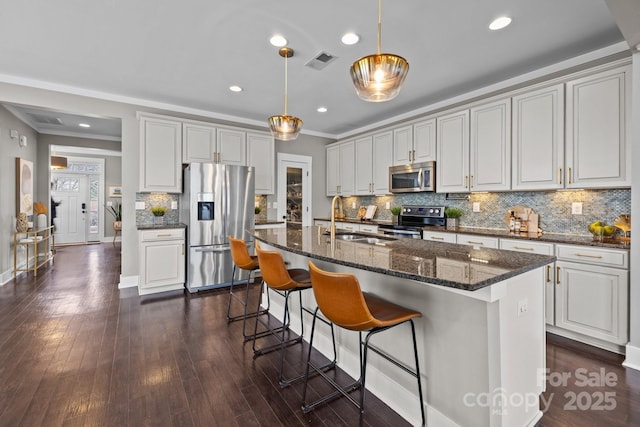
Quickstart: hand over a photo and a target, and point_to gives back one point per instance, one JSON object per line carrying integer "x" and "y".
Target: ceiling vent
{"x": 47, "y": 120}
{"x": 320, "y": 61}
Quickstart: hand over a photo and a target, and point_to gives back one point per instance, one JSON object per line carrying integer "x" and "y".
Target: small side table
{"x": 117, "y": 228}
{"x": 42, "y": 238}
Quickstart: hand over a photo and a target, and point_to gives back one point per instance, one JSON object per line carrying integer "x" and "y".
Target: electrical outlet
{"x": 388, "y": 205}
{"x": 139, "y": 205}
{"x": 109, "y": 204}
{"x": 174, "y": 204}
{"x": 476, "y": 206}
{"x": 523, "y": 307}
{"x": 353, "y": 205}
{"x": 576, "y": 208}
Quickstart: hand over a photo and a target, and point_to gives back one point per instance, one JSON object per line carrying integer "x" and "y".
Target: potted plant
{"x": 395, "y": 211}
{"x": 158, "y": 214}
{"x": 116, "y": 211}
{"x": 257, "y": 210}
{"x": 453, "y": 216}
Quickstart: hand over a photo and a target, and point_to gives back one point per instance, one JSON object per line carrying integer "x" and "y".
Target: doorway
{"x": 294, "y": 189}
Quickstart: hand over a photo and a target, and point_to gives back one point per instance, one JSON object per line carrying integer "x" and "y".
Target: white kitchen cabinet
{"x": 538, "y": 139}
{"x": 261, "y": 155}
{"x": 160, "y": 155}
{"x": 372, "y": 161}
{"x": 415, "y": 143}
{"x": 591, "y": 294}
{"x": 479, "y": 241}
{"x": 340, "y": 169}
{"x": 598, "y": 147}
{"x": 439, "y": 236}
{"x": 198, "y": 143}
{"x": 541, "y": 248}
{"x": 232, "y": 147}
{"x": 161, "y": 260}
{"x": 452, "y": 166}
{"x": 368, "y": 228}
{"x": 490, "y": 150}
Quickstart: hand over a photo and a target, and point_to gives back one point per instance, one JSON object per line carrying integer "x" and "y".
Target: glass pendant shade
{"x": 285, "y": 128}
{"x": 379, "y": 78}
{"x": 58, "y": 162}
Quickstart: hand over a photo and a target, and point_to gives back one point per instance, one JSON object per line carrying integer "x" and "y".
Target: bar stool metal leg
{"x": 246, "y": 314}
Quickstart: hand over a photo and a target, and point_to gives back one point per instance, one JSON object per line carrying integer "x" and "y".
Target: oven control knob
{"x": 430, "y": 210}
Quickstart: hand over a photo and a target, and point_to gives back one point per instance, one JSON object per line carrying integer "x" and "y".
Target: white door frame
{"x": 296, "y": 161}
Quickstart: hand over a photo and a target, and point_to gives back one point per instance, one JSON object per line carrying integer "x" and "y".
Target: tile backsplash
{"x": 554, "y": 207}
{"x": 145, "y": 217}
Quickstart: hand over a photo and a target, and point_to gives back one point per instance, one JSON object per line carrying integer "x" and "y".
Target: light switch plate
{"x": 476, "y": 206}
{"x": 174, "y": 204}
{"x": 388, "y": 205}
{"x": 139, "y": 205}
{"x": 576, "y": 208}
{"x": 109, "y": 204}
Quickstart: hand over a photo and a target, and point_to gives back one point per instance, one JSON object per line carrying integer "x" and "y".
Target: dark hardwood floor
{"x": 76, "y": 351}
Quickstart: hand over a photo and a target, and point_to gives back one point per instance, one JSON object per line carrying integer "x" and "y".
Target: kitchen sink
{"x": 363, "y": 238}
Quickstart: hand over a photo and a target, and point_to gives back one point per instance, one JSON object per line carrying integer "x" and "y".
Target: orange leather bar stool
{"x": 342, "y": 302}
{"x": 284, "y": 282}
{"x": 244, "y": 261}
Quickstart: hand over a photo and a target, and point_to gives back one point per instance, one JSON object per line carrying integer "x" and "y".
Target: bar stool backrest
{"x": 340, "y": 299}
{"x": 240, "y": 254}
{"x": 274, "y": 271}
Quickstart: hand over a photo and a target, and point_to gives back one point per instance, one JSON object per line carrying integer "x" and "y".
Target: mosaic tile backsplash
{"x": 145, "y": 217}
{"x": 554, "y": 207}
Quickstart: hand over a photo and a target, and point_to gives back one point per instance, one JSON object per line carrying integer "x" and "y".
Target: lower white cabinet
{"x": 479, "y": 241}
{"x": 161, "y": 260}
{"x": 439, "y": 236}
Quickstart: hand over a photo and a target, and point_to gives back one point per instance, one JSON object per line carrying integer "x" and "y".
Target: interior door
{"x": 71, "y": 192}
{"x": 294, "y": 189}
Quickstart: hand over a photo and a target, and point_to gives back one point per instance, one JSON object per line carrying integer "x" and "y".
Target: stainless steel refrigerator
{"x": 217, "y": 201}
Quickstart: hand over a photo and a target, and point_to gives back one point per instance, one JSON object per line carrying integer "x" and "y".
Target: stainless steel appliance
{"x": 217, "y": 201}
{"x": 411, "y": 221}
{"x": 412, "y": 178}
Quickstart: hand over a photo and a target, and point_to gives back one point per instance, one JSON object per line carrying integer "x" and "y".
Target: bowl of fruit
{"x": 601, "y": 230}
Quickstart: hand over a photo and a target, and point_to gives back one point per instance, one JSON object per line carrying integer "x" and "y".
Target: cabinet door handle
{"x": 183, "y": 249}
{"x": 590, "y": 256}
{"x": 409, "y": 156}
{"x": 557, "y": 275}
{"x": 437, "y": 238}
{"x": 548, "y": 273}
{"x": 163, "y": 235}
{"x": 465, "y": 181}
{"x": 522, "y": 248}
{"x": 471, "y": 242}
{"x": 414, "y": 155}
{"x": 560, "y": 176}
{"x": 569, "y": 176}
{"x": 471, "y": 181}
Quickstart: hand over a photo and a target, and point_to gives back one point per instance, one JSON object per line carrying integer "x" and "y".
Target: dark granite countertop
{"x": 613, "y": 243}
{"x": 165, "y": 226}
{"x": 456, "y": 266}
{"x": 356, "y": 221}
{"x": 268, "y": 222}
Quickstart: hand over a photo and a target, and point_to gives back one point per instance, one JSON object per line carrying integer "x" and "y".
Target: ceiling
{"x": 185, "y": 55}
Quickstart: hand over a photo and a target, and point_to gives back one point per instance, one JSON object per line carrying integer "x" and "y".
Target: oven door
{"x": 393, "y": 232}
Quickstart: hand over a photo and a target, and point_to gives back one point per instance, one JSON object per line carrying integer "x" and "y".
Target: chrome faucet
{"x": 333, "y": 215}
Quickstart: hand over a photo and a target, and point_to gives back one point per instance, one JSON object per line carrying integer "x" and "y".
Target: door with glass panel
{"x": 77, "y": 215}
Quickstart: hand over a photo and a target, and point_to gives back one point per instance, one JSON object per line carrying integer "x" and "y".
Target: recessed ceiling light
{"x": 500, "y": 23}
{"x": 235, "y": 88}
{"x": 84, "y": 125}
{"x": 278, "y": 41}
{"x": 350, "y": 38}
{"x": 322, "y": 109}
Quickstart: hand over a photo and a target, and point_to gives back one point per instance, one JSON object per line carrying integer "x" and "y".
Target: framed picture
{"x": 115, "y": 191}
{"x": 24, "y": 186}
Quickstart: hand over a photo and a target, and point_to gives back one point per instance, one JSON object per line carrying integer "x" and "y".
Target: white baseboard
{"x": 128, "y": 282}
{"x": 5, "y": 277}
{"x": 633, "y": 358}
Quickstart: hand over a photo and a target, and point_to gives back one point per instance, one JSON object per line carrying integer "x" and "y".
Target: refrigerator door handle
{"x": 220, "y": 249}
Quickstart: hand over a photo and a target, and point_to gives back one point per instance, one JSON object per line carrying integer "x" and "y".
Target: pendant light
{"x": 285, "y": 127}
{"x": 379, "y": 77}
{"x": 58, "y": 162}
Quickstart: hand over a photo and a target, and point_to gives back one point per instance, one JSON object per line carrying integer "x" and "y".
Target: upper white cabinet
{"x": 340, "y": 169}
{"x": 538, "y": 139}
{"x": 372, "y": 161}
{"x": 598, "y": 145}
{"x": 474, "y": 149}
{"x": 261, "y": 155}
{"x": 490, "y": 154}
{"x": 415, "y": 143}
{"x": 232, "y": 146}
{"x": 452, "y": 167}
{"x": 198, "y": 143}
{"x": 160, "y": 155}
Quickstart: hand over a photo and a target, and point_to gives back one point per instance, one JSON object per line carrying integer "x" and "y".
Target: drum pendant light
{"x": 379, "y": 77}
{"x": 285, "y": 127}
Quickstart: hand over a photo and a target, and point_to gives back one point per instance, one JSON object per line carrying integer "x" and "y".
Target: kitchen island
{"x": 481, "y": 338}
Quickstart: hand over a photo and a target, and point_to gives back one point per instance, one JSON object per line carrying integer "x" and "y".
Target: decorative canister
{"x": 21, "y": 224}
{"x": 42, "y": 221}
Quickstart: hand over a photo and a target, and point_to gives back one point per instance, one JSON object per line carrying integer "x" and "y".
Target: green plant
{"x": 453, "y": 212}
{"x": 158, "y": 210}
{"x": 257, "y": 210}
{"x": 115, "y": 210}
{"x": 395, "y": 211}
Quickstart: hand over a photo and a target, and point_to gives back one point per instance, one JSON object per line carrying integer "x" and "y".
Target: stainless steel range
{"x": 411, "y": 221}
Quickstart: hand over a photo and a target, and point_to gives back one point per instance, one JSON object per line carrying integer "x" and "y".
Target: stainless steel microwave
{"x": 412, "y": 178}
